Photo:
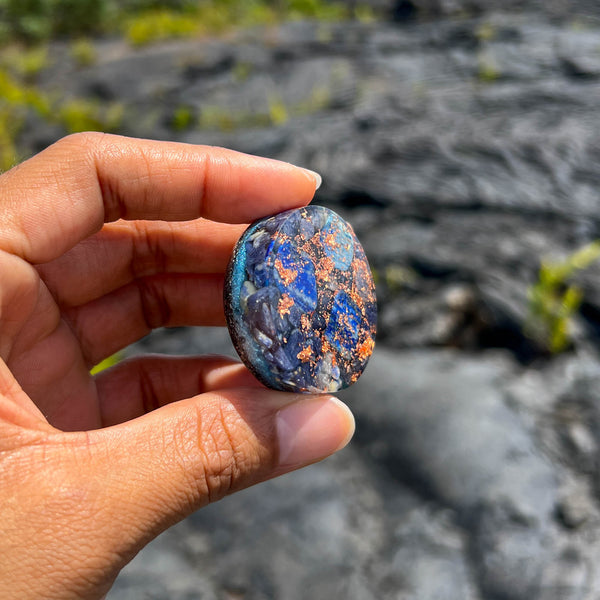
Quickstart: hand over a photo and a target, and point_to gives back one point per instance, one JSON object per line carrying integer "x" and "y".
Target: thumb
{"x": 157, "y": 469}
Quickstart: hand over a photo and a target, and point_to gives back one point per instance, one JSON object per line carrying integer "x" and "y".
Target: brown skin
{"x": 103, "y": 238}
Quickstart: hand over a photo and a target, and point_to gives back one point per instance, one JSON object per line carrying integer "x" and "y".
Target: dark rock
{"x": 450, "y": 435}
{"x": 447, "y": 490}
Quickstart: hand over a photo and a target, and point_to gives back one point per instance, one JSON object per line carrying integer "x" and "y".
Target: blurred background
{"x": 461, "y": 138}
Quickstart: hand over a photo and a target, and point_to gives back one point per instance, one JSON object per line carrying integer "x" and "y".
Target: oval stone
{"x": 300, "y": 301}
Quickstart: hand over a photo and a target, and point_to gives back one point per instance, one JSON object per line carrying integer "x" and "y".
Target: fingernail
{"x": 318, "y": 179}
{"x": 309, "y": 430}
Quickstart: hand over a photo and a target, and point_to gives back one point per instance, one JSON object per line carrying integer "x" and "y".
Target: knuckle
{"x": 229, "y": 455}
{"x": 155, "y": 307}
{"x": 84, "y": 140}
{"x": 148, "y": 254}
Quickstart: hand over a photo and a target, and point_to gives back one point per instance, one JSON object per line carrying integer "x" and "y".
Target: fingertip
{"x": 311, "y": 429}
{"x": 314, "y": 177}
{"x": 264, "y": 187}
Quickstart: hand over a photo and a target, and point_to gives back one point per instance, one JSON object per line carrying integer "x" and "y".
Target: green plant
{"x": 9, "y": 127}
{"x": 107, "y": 363}
{"x": 86, "y": 115}
{"x": 485, "y": 32}
{"x": 183, "y": 118}
{"x": 487, "y": 69}
{"x": 83, "y": 52}
{"x": 13, "y": 93}
{"x": 365, "y": 13}
{"x": 24, "y": 62}
{"x": 278, "y": 113}
{"x": 38, "y": 20}
{"x": 241, "y": 71}
{"x": 316, "y": 9}
{"x": 554, "y": 299}
{"x": 16, "y": 99}
{"x": 318, "y": 99}
{"x": 396, "y": 277}
{"x": 159, "y": 25}
{"x": 215, "y": 117}
{"x": 145, "y": 21}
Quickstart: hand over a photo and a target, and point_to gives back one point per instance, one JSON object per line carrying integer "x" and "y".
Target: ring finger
{"x": 114, "y": 321}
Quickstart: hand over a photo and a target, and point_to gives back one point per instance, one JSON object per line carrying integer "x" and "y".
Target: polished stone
{"x": 300, "y": 301}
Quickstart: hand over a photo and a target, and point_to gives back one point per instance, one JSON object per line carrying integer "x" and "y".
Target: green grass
{"x": 87, "y": 115}
{"x": 107, "y": 363}
{"x": 24, "y": 62}
{"x": 487, "y": 70}
{"x": 217, "y": 16}
{"x": 160, "y": 25}
{"x": 83, "y": 52}
{"x": 26, "y": 27}
{"x": 554, "y": 299}
{"x": 485, "y": 32}
{"x": 146, "y": 21}
{"x": 276, "y": 112}
{"x": 18, "y": 98}
{"x": 183, "y": 118}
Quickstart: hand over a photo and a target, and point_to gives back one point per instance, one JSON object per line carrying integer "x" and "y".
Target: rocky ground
{"x": 462, "y": 144}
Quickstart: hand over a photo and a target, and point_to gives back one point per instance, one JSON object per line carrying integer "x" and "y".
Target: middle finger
{"x": 128, "y": 250}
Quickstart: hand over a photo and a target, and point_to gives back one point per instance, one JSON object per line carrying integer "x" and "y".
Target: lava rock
{"x": 300, "y": 301}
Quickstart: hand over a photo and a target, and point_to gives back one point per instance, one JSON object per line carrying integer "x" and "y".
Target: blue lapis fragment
{"x": 300, "y": 301}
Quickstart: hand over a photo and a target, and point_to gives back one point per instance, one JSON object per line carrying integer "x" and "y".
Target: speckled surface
{"x": 300, "y": 301}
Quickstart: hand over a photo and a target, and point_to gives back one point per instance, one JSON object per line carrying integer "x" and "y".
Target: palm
{"x": 75, "y": 311}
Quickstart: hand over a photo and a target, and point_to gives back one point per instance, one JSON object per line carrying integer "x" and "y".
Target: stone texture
{"x": 463, "y": 150}
{"x": 449, "y": 489}
{"x": 300, "y": 301}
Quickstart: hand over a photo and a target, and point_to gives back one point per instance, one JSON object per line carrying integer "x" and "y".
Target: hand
{"x": 103, "y": 238}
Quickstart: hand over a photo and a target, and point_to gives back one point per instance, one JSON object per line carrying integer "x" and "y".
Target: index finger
{"x": 66, "y": 192}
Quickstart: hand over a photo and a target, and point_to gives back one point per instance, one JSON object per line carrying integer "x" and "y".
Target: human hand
{"x": 101, "y": 241}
